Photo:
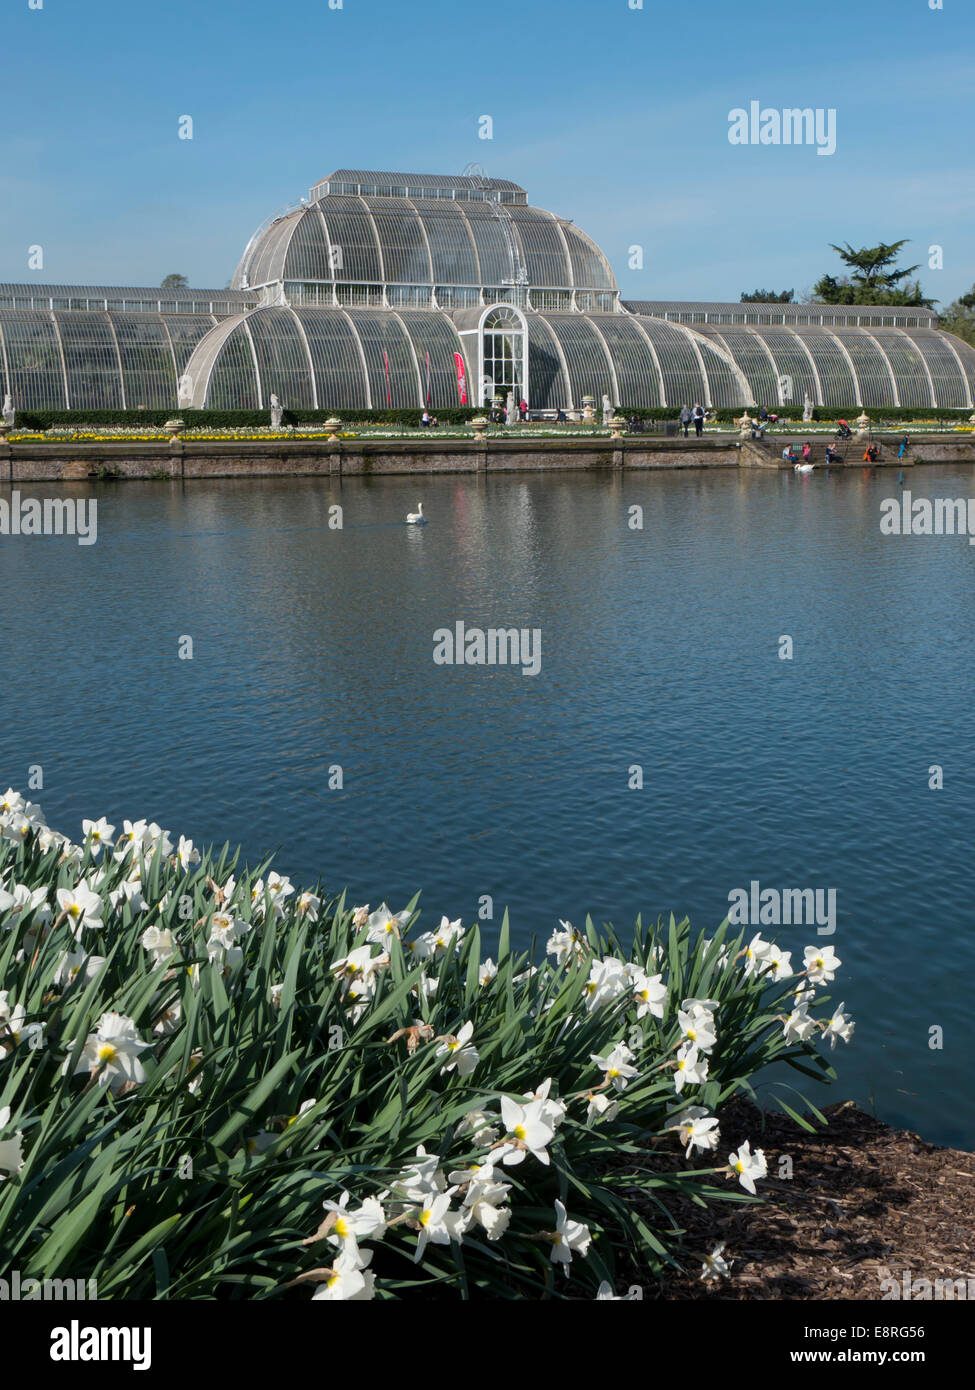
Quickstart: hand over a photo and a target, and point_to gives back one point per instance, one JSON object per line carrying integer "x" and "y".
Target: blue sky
{"x": 612, "y": 116}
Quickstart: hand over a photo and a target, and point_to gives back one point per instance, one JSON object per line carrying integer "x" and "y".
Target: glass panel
{"x": 91, "y": 360}
{"x": 636, "y": 370}
{"x": 36, "y": 379}
{"x": 389, "y": 358}
{"x": 586, "y": 357}
{"x": 282, "y": 361}
{"x": 335, "y": 354}
{"x": 147, "y": 363}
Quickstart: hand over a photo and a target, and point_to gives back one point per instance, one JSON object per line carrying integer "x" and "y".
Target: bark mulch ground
{"x": 864, "y": 1204}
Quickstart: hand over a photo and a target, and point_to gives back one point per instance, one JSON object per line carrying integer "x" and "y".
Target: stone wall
{"x": 37, "y": 462}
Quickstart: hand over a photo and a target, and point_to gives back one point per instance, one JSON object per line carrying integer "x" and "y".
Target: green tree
{"x": 175, "y": 282}
{"x": 872, "y": 278}
{"x": 769, "y": 297}
{"x": 959, "y": 317}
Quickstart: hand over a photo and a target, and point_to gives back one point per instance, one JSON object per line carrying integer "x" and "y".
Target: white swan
{"x": 416, "y": 518}
{"x": 805, "y": 467}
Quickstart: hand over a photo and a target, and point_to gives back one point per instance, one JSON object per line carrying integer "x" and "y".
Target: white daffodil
{"x": 748, "y": 1166}
{"x": 82, "y": 908}
{"x": 460, "y": 1052}
{"x": 568, "y": 1236}
{"x": 309, "y": 905}
{"x": 155, "y": 840}
{"x": 697, "y": 1129}
{"x": 159, "y": 942}
{"x": 601, "y": 1108}
{"x": 607, "y": 981}
{"x": 798, "y": 1026}
{"x": 112, "y": 1052}
{"x": 715, "y": 1266}
{"x": 756, "y": 954}
{"x": 616, "y": 1066}
{"x": 552, "y": 1111}
{"x": 822, "y": 964}
{"x": 131, "y": 839}
{"x": 778, "y": 965}
{"x": 22, "y": 902}
{"x": 486, "y": 972}
{"x": 11, "y": 802}
{"x": 382, "y": 925}
{"x": 129, "y": 893}
{"x": 691, "y": 1069}
{"x": 481, "y": 1126}
{"x": 649, "y": 991}
{"x": 484, "y": 1199}
{"x": 186, "y": 853}
{"x": 15, "y": 1028}
{"x": 527, "y": 1131}
{"x": 566, "y": 944}
{"x": 72, "y": 963}
{"x": 697, "y": 1028}
{"x": 360, "y": 916}
{"x": 604, "y": 1294}
{"x": 168, "y": 1021}
{"x": 11, "y": 1148}
{"x": 349, "y": 1281}
{"x": 438, "y": 1224}
{"x": 98, "y": 834}
{"x": 419, "y": 1178}
{"x": 367, "y": 1222}
{"x": 839, "y": 1026}
{"x": 260, "y": 1142}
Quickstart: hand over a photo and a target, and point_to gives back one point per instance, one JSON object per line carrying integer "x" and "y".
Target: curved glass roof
{"x": 423, "y": 241}
{"x": 343, "y": 358}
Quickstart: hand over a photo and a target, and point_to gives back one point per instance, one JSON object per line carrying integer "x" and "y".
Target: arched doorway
{"x": 503, "y": 344}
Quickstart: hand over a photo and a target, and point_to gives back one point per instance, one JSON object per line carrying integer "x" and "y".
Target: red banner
{"x": 461, "y": 378}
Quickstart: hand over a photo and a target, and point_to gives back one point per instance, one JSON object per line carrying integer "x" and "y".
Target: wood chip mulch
{"x": 865, "y": 1203}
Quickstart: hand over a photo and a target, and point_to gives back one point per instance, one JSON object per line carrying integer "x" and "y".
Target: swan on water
{"x": 805, "y": 467}
{"x": 416, "y": 518}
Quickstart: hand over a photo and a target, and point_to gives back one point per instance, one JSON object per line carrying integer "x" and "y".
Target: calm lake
{"x": 659, "y": 647}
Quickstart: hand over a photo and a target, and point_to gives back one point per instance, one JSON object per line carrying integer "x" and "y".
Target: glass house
{"x": 393, "y": 289}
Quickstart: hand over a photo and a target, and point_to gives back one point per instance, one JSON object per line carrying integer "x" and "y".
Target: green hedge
{"x": 235, "y": 419}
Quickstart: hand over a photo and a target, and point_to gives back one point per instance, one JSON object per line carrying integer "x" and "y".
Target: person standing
{"x": 685, "y": 418}
{"x": 698, "y": 420}
{"x": 523, "y": 411}
{"x": 903, "y": 448}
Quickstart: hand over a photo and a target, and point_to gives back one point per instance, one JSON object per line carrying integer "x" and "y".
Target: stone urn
{"x": 174, "y": 428}
{"x": 332, "y": 427}
{"x": 745, "y": 426}
{"x": 5, "y": 430}
{"x": 588, "y": 409}
{"x": 479, "y": 425}
{"x": 617, "y": 427}
{"x": 863, "y": 423}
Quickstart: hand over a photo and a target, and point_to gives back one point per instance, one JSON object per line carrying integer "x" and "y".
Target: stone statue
{"x": 8, "y": 409}
{"x": 607, "y": 411}
{"x": 807, "y": 409}
{"x": 510, "y": 413}
{"x": 277, "y": 410}
{"x": 185, "y": 392}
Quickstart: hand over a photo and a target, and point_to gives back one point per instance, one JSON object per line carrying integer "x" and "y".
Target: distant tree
{"x": 768, "y": 297}
{"x": 959, "y": 317}
{"x": 872, "y": 278}
{"x": 175, "y": 282}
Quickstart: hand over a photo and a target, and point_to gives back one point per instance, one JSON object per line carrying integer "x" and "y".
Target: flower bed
{"x": 214, "y": 1085}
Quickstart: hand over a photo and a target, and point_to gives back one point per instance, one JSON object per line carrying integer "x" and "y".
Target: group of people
{"x": 498, "y": 414}
{"x": 692, "y": 416}
{"x": 428, "y": 421}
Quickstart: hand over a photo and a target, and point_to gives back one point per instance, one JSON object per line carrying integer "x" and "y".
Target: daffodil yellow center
{"x": 739, "y": 1167}
{"x": 519, "y": 1131}
{"x": 107, "y": 1053}
{"x": 425, "y": 1217}
{"x": 342, "y": 1228}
